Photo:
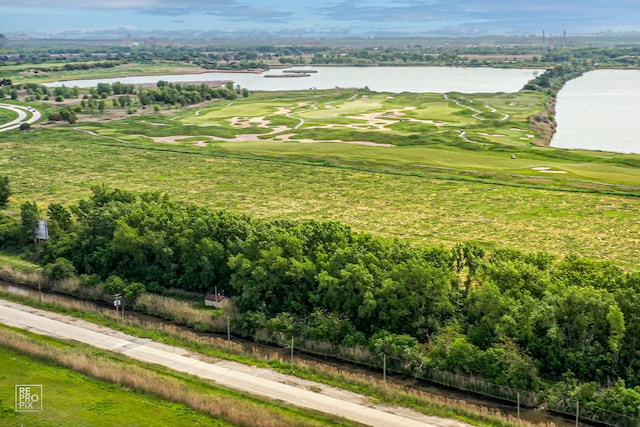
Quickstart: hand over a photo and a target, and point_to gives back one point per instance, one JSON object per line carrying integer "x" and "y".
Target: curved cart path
{"x": 234, "y": 375}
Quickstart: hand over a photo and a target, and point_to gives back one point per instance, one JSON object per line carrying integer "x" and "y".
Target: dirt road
{"x": 256, "y": 381}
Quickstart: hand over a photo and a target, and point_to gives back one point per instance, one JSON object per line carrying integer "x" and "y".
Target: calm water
{"x": 599, "y": 111}
{"x": 381, "y": 79}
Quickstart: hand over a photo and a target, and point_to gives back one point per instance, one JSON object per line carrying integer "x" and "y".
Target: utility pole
{"x": 228, "y": 330}
{"x": 117, "y": 303}
{"x": 384, "y": 368}
{"x": 384, "y": 372}
{"x": 292, "y": 352}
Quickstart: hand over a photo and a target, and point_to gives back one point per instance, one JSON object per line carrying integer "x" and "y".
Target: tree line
{"x": 534, "y": 321}
{"x": 504, "y": 53}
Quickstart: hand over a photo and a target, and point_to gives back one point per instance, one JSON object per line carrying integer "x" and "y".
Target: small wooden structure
{"x": 216, "y": 300}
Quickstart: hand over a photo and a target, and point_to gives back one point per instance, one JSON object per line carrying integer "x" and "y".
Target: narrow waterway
{"x": 251, "y": 347}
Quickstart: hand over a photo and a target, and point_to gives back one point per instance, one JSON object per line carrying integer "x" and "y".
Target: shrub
{"x": 61, "y": 269}
{"x": 9, "y": 231}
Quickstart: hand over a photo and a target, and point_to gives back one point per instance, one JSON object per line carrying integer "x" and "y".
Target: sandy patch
{"x": 239, "y": 138}
{"x": 281, "y": 111}
{"x": 246, "y": 122}
{"x": 287, "y": 138}
{"x": 490, "y": 134}
{"x": 547, "y": 169}
{"x": 366, "y": 143}
{"x": 174, "y": 139}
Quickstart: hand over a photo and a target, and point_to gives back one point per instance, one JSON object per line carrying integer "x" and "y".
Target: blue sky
{"x": 346, "y": 17}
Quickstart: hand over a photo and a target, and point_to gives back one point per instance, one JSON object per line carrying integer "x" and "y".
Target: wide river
{"x": 599, "y": 111}
{"x": 380, "y": 79}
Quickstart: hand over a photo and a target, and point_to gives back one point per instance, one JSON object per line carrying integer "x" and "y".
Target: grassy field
{"x": 24, "y": 73}
{"x": 84, "y": 386}
{"x": 70, "y": 398}
{"x": 246, "y": 156}
{"x": 7, "y": 115}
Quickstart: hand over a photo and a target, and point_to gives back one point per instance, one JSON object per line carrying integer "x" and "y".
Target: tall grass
{"x": 420, "y": 194}
{"x": 180, "y": 312}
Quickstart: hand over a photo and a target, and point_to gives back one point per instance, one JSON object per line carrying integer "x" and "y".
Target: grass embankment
{"x": 26, "y": 73}
{"x": 360, "y": 382}
{"x": 71, "y": 398}
{"x": 7, "y": 115}
{"x": 88, "y": 387}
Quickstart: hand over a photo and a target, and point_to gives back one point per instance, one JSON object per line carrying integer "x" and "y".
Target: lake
{"x": 380, "y": 79}
{"x": 599, "y": 111}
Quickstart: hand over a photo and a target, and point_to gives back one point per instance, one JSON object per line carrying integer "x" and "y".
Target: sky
{"x": 308, "y": 17}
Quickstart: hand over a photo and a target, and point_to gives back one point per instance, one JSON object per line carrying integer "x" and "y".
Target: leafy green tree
{"x": 60, "y": 215}
{"x": 416, "y": 299}
{"x": 468, "y": 257}
{"x": 61, "y": 269}
{"x": 114, "y": 285}
{"x": 5, "y": 191}
{"x": 132, "y": 291}
{"x": 10, "y": 232}
{"x": 29, "y": 215}
{"x": 578, "y": 329}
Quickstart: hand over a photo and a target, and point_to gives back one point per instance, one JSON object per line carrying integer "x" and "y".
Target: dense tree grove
{"x": 516, "y": 319}
{"x": 125, "y": 95}
{"x": 501, "y": 52}
{"x": 184, "y": 94}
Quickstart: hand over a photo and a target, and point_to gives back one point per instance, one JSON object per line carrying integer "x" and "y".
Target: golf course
{"x": 430, "y": 168}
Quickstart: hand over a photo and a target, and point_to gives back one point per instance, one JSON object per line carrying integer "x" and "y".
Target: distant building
{"x": 216, "y": 300}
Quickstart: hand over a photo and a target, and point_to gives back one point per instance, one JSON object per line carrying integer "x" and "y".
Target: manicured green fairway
{"x": 401, "y": 119}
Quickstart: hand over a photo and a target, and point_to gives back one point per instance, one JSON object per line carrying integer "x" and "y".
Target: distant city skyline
{"x": 308, "y": 18}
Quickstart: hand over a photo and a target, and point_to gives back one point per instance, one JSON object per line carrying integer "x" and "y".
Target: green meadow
{"x": 7, "y": 115}
{"x": 53, "y": 71}
{"x": 70, "y": 398}
{"x": 430, "y": 168}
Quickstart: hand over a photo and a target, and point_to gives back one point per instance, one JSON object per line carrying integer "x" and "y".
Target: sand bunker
{"x": 547, "y": 169}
